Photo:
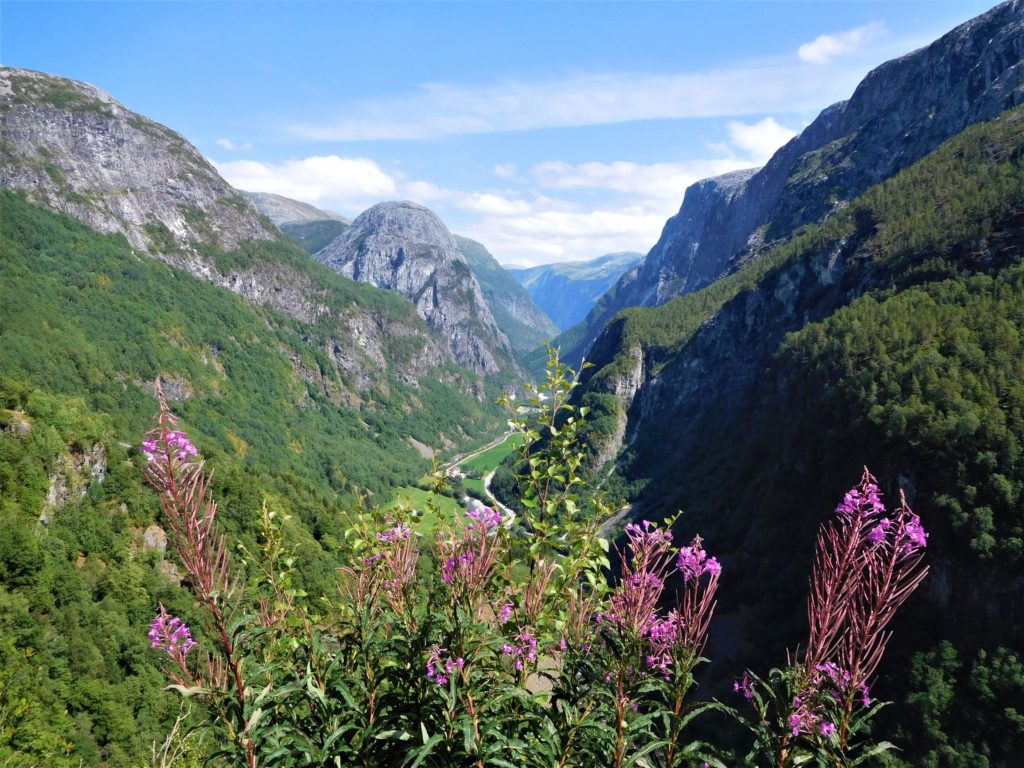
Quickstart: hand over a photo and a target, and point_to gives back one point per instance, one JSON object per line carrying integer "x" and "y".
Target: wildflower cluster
{"x": 524, "y": 650}
{"x": 867, "y": 564}
{"x": 171, "y": 634}
{"x": 489, "y": 641}
{"x": 169, "y": 445}
{"x": 440, "y": 665}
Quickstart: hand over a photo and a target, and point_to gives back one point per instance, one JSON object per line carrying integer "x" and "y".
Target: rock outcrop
{"x": 73, "y": 148}
{"x": 404, "y": 247}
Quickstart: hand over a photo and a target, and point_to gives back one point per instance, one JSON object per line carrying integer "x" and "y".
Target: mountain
{"x": 899, "y": 113}
{"x": 514, "y": 310}
{"x": 567, "y": 291}
{"x": 73, "y": 148}
{"x": 887, "y": 335}
{"x": 404, "y": 247}
{"x": 128, "y": 261}
{"x": 283, "y": 210}
{"x": 309, "y": 226}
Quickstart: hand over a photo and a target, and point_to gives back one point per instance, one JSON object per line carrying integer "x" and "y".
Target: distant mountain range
{"x": 567, "y": 291}
{"x": 517, "y": 316}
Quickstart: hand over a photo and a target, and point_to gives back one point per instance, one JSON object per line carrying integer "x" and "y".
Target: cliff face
{"x": 898, "y": 114}
{"x": 73, "y": 148}
{"x": 514, "y": 310}
{"x": 70, "y": 147}
{"x": 404, "y": 247}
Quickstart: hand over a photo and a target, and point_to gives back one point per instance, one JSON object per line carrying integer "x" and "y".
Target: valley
{"x": 320, "y": 345}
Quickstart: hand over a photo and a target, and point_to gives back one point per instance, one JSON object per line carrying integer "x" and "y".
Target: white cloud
{"x": 448, "y": 109}
{"x": 824, "y": 48}
{"x": 345, "y": 182}
{"x": 553, "y": 211}
{"x": 759, "y": 140}
{"x": 653, "y": 181}
{"x": 505, "y": 170}
{"x": 231, "y": 146}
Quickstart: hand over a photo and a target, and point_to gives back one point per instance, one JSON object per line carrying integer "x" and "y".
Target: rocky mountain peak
{"x": 75, "y": 149}
{"x": 405, "y": 247}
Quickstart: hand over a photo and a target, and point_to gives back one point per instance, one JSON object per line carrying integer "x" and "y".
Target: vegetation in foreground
{"x": 504, "y": 645}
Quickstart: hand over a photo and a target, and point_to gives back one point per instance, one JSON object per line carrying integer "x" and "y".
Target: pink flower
{"x": 171, "y": 634}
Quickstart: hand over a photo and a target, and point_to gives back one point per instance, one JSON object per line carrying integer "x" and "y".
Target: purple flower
{"x": 914, "y": 535}
{"x": 175, "y": 445}
{"x": 827, "y": 729}
{"x": 440, "y": 666}
{"x": 506, "y": 612}
{"x": 448, "y": 570}
{"x": 878, "y": 533}
{"x": 400, "y": 531}
{"x": 524, "y": 649}
{"x": 744, "y": 686}
{"x": 864, "y": 500}
{"x": 693, "y": 561}
{"x": 171, "y": 634}
{"x": 485, "y": 516}
{"x": 865, "y": 699}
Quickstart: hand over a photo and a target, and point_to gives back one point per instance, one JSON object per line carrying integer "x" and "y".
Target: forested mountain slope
{"x": 899, "y": 113}
{"x": 903, "y": 353}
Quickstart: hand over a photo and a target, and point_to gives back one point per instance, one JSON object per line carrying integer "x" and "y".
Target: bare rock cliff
{"x": 404, "y": 247}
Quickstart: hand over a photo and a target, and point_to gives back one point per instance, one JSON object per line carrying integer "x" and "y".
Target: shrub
{"x": 500, "y": 641}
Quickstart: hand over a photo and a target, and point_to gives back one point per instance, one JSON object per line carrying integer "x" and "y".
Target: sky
{"x": 547, "y": 131}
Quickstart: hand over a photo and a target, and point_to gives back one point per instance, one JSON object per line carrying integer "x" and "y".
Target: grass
{"x": 419, "y": 499}
{"x": 476, "y": 486}
{"x": 488, "y": 461}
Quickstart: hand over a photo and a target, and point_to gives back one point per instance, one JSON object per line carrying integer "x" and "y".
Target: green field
{"x": 419, "y": 499}
{"x": 487, "y": 461}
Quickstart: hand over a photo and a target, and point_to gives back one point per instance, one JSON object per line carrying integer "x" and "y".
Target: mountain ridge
{"x": 406, "y": 248}
{"x": 899, "y": 112}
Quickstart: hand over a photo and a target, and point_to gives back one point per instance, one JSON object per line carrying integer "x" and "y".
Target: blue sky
{"x": 548, "y": 131}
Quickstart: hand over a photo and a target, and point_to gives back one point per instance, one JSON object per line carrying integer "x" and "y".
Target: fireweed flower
{"x": 644, "y": 567}
{"x": 484, "y": 516}
{"x": 171, "y": 634}
{"x": 400, "y": 531}
{"x": 744, "y": 686}
{"x": 440, "y": 665}
{"x": 680, "y": 636}
{"x": 525, "y": 649}
{"x": 693, "y": 561}
{"x": 803, "y": 717}
{"x": 866, "y": 566}
{"x": 468, "y": 559}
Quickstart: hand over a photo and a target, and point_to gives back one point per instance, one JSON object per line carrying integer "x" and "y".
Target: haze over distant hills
{"x": 567, "y": 291}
